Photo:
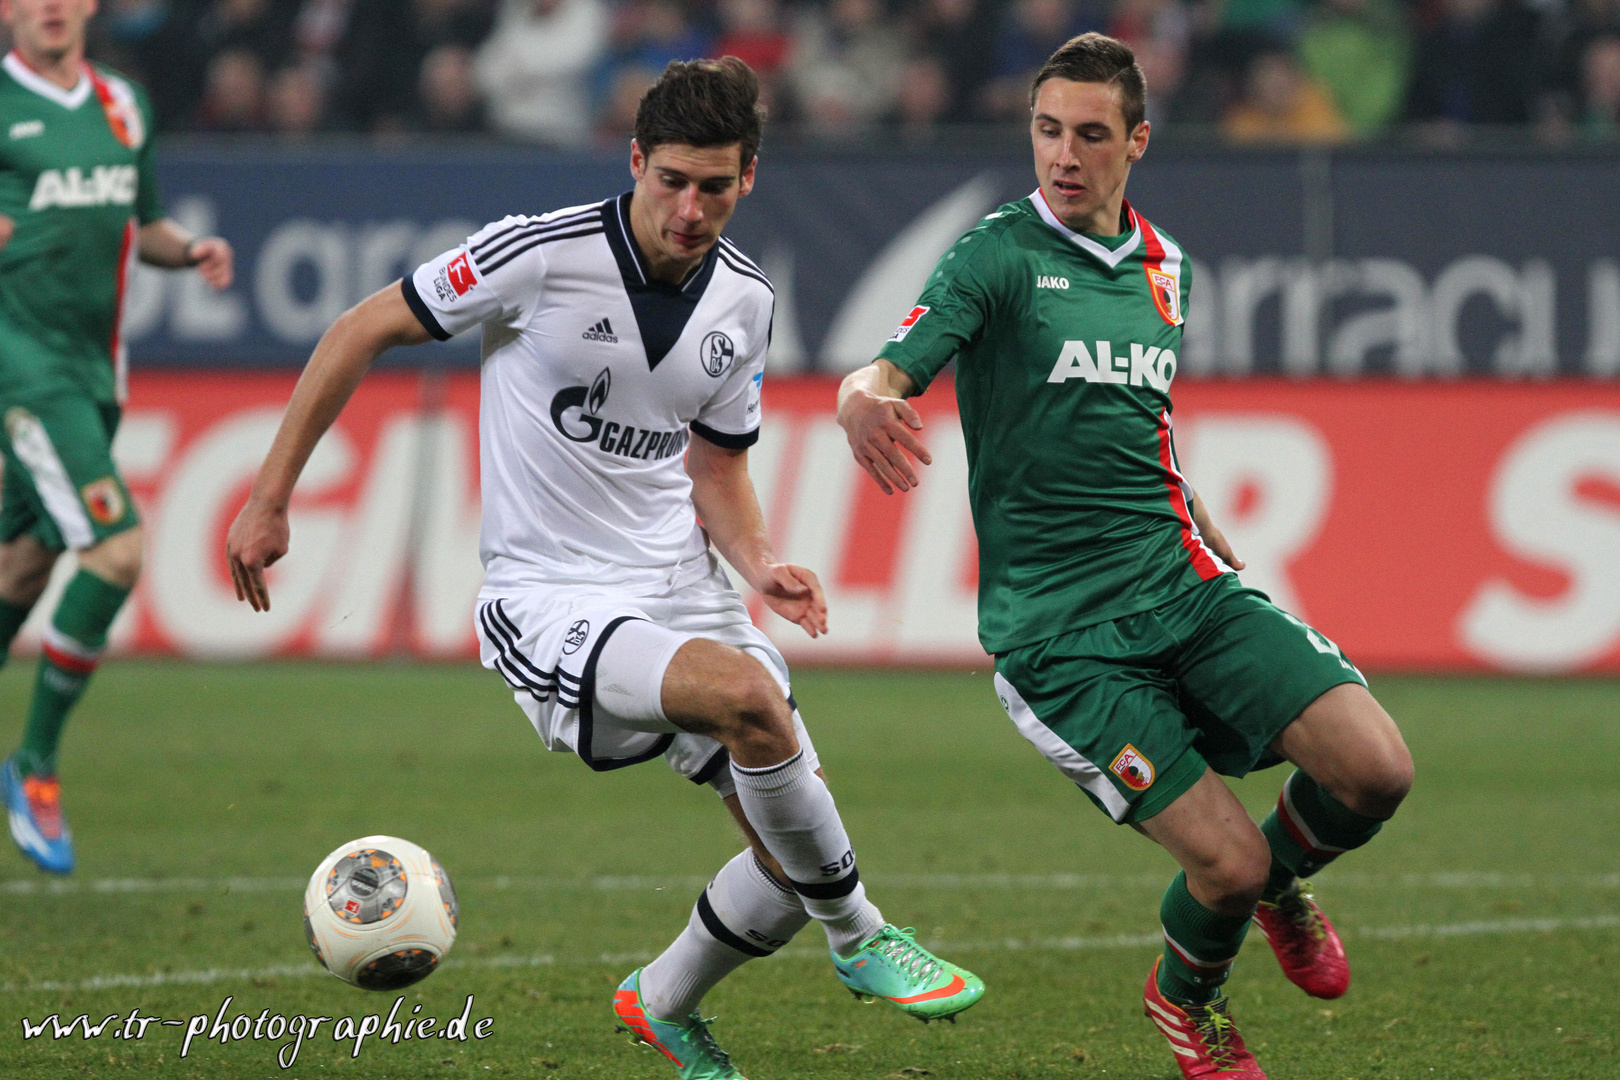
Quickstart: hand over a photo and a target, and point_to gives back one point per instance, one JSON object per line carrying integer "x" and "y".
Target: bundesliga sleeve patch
{"x": 1133, "y": 769}
{"x": 908, "y": 322}
{"x": 455, "y": 279}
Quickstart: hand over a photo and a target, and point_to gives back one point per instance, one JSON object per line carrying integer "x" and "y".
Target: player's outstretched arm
{"x": 164, "y": 243}
{"x": 879, "y": 424}
{"x": 1212, "y": 536}
{"x": 259, "y": 535}
{"x": 725, "y": 501}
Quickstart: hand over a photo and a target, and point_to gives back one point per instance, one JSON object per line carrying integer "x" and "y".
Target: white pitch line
{"x": 1493, "y": 928}
{"x": 1456, "y": 879}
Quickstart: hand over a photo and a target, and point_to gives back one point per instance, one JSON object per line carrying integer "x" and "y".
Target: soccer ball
{"x": 380, "y": 913}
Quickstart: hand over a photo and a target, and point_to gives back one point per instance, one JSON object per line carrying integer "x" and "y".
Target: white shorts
{"x": 548, "y": 643}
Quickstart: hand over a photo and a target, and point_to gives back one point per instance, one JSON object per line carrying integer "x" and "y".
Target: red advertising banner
{"x": 1462, "y": 525}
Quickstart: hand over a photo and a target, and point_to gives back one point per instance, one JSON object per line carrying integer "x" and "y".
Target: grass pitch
{"x": 1483, "y": 925}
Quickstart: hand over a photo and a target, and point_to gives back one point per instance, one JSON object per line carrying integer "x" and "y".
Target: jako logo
{"x": 1153, "y": 366}
{"x": 114, "y": 184}
{"x": 1046, "y": 281}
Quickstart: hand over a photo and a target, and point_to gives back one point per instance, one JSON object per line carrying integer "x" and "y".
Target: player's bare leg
{"x": 799, "y": 863}
{"x": 72, "y": 647}
{"x": 25, "y": 570}
{"x": 719, "y": 691}
{"x": 1206, "y": 913}
{"x": 1354, "y": 771}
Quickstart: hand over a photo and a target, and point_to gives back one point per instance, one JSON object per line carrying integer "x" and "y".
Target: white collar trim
{"x": 1111, "y": 259}
{"x": 33, "y": 80}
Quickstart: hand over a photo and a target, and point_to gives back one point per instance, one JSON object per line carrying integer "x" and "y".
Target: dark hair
{"x": 702, "y": 103}
{"x": 1093, "y": 58}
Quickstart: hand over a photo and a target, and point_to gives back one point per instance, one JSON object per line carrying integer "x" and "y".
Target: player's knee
{"x": 116, "y": 559}
{"x": 25, "y": 570}
{"x": 1233, "y": 882}
{"x": 752, "y": 702}
{"x": 1382, "y": 784}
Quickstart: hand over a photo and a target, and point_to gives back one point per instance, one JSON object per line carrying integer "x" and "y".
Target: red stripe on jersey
{"x": 1153, "y": 254}
{"x": 109, "y": 106}
{"x": 1152, "y": 250}
{"x": 118, "y": 296}
{"x": 1197, "y": 553}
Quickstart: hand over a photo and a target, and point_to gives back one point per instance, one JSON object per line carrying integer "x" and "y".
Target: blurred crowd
{"x": 569, "y": 72}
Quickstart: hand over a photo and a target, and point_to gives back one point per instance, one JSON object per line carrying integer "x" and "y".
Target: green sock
{"x": 72, "y": 647}
{"x": 11, "y": 619}
{"x": 1309, "y": 829}
{"x": 1199, "y": 946}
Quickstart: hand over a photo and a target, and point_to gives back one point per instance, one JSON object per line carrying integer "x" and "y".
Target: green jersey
{"x": 76, "y": 177}
{"x": 1065, "y": 347}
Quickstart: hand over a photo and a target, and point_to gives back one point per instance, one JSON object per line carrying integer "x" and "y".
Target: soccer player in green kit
{"x": 1126, "y": 649}
{"x": 78, "y": 202}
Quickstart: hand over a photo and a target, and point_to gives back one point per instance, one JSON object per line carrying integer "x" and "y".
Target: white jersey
{"x": 593, "y": 376}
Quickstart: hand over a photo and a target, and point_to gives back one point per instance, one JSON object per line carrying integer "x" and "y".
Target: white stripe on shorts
{"x": 1068, "y": 760}
{"x": 33, "y": 447}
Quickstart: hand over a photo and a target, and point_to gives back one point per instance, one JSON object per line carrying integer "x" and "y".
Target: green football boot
{"x": 892, "y": 966}
{"x": 689, "y": 1045}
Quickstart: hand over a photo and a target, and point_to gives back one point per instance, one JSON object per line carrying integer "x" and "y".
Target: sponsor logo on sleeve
{"x": 454, "y": 279}
{"x": 1134, "y": 770}
{"x": 755, "y": 385}
{"x": 461, "y": 274}
{"x": 908, "y": 322}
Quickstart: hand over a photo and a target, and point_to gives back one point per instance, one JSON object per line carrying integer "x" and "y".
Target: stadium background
{"x": 1397, "y": 393}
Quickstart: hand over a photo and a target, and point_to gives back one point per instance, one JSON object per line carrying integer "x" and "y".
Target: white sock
{"x": 794, "y": 814}
{"x": 743, "y": 914}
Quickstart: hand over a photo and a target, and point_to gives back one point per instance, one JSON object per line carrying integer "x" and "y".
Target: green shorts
{"x": 60, "y": 484}
{"x": 1132, "y": 710}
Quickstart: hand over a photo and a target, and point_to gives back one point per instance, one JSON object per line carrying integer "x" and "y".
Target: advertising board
{"x": 1467, "y": 526}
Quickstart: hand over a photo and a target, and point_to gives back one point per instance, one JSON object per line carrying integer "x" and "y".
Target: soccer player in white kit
{"x": 623, "y": 350}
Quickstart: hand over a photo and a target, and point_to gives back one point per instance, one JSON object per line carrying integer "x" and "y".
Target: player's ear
{"x": 638, "y": 161}
{"x": 1138, "y": 139}
{"x": 745, "y": 183}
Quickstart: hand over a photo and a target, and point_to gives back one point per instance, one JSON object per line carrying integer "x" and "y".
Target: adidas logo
{"x": 602, "y": 331}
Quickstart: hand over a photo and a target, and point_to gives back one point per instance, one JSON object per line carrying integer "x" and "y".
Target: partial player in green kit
{"x": 1126, "y": 648}
{"x": 78, "y": 204}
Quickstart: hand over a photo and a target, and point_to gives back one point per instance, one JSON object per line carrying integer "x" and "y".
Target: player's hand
{"x": 880, "y": 432}
{"x": 258, "y": 537}
{"x": 7, "y": 227}
{"x": 214, "y": 260}
{"x": 795, "y": 594}
{"x": 1213, "y": 536}
{"x": 1217, "y": 543}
